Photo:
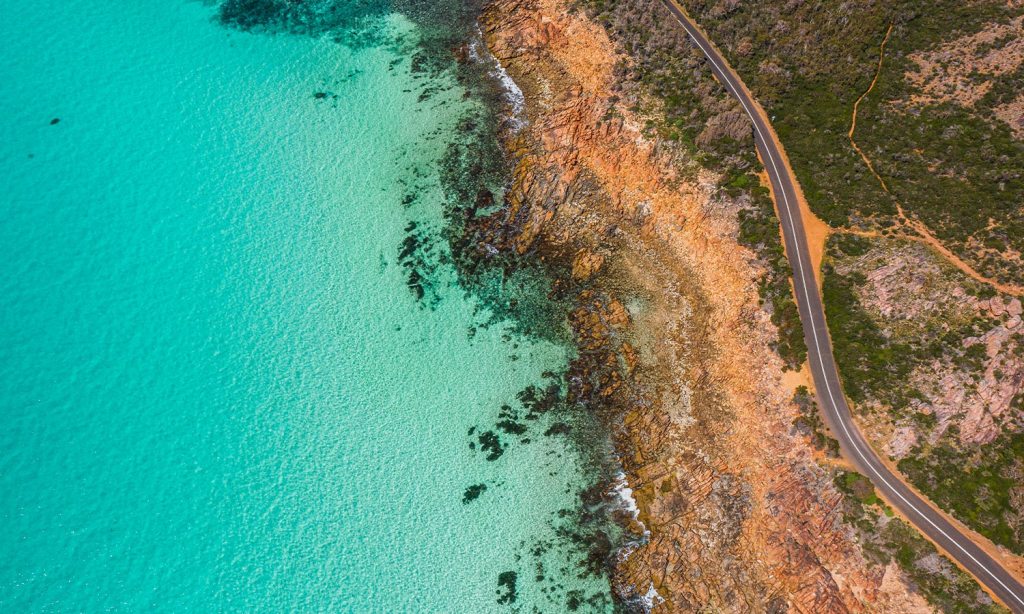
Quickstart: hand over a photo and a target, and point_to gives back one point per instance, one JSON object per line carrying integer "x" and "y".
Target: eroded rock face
{"x": 674, "y": 348}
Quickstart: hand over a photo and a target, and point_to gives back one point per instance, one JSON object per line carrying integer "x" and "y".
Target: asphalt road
{"x": 823, "y": 367}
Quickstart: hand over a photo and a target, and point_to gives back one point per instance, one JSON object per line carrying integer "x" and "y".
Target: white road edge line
{"x": 814, "y": 329}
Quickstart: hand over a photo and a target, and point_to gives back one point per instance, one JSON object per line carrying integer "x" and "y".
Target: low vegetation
{"x": 759, "y": 230}
{"x": 875, "y": 360}
{"x": 978, "y": 486}
{"x": 809, "y": 423}
{"x": 872, "y": 366}
{"x": 887, "y": 539}
{"x": 882, "y": 356}
{"x": 952, "y": 165}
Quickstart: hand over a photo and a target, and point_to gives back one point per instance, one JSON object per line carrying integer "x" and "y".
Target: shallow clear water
{"x": 217, "y": 391}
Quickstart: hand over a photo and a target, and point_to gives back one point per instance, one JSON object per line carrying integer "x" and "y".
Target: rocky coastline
{"x": 736, "y": 508}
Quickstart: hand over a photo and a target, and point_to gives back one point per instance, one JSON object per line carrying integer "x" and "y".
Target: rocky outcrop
{"x": 989, "y": 402}
{"x": 673, "y": 347}
{"x": 914, "y": 298}
{"x": 961, "y": 71}
{"x": 732, "y": 124}
{"x": 1012, "y": 113}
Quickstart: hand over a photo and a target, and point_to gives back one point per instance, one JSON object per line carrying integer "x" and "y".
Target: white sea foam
{"x": 644, "y": 602}
{"x": 651, "y": 598}
{"x": 627, "y": 502}
{"x": 620, "y": 486}
{"x": 625, "y": 494}
{"x": 513, "y": 94}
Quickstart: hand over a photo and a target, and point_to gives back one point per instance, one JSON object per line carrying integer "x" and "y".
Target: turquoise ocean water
{"x": 218, "y": 391}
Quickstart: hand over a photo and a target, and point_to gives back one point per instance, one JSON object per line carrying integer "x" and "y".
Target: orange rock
{"x": 741, "y": 517}
{"x": 586, "y": 264}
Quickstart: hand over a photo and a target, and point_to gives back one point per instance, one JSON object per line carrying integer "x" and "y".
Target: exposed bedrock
{"x": 675, "y": 350}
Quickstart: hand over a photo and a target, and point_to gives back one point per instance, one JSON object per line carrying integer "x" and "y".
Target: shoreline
{"x": 675, "y": 355}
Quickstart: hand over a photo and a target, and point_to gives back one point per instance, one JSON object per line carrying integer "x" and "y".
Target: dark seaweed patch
{"x": 511, "y": 427}
{"x": 491, "y": 443}
{"x": 311, "y": 17}
{"x": 419, "y": 63}
{"x": 509, "y": 422}
{"x": 558, "y": 428}
{"x": 473, "y": 492}
{"x": 416, "y": 255}
{"x": 538, "y": 402}
{"x": 574, "y": 600}
{"x": 415, "y": 284}
{"x": 409, "y": 246}
{"x": 507, "y": 587}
